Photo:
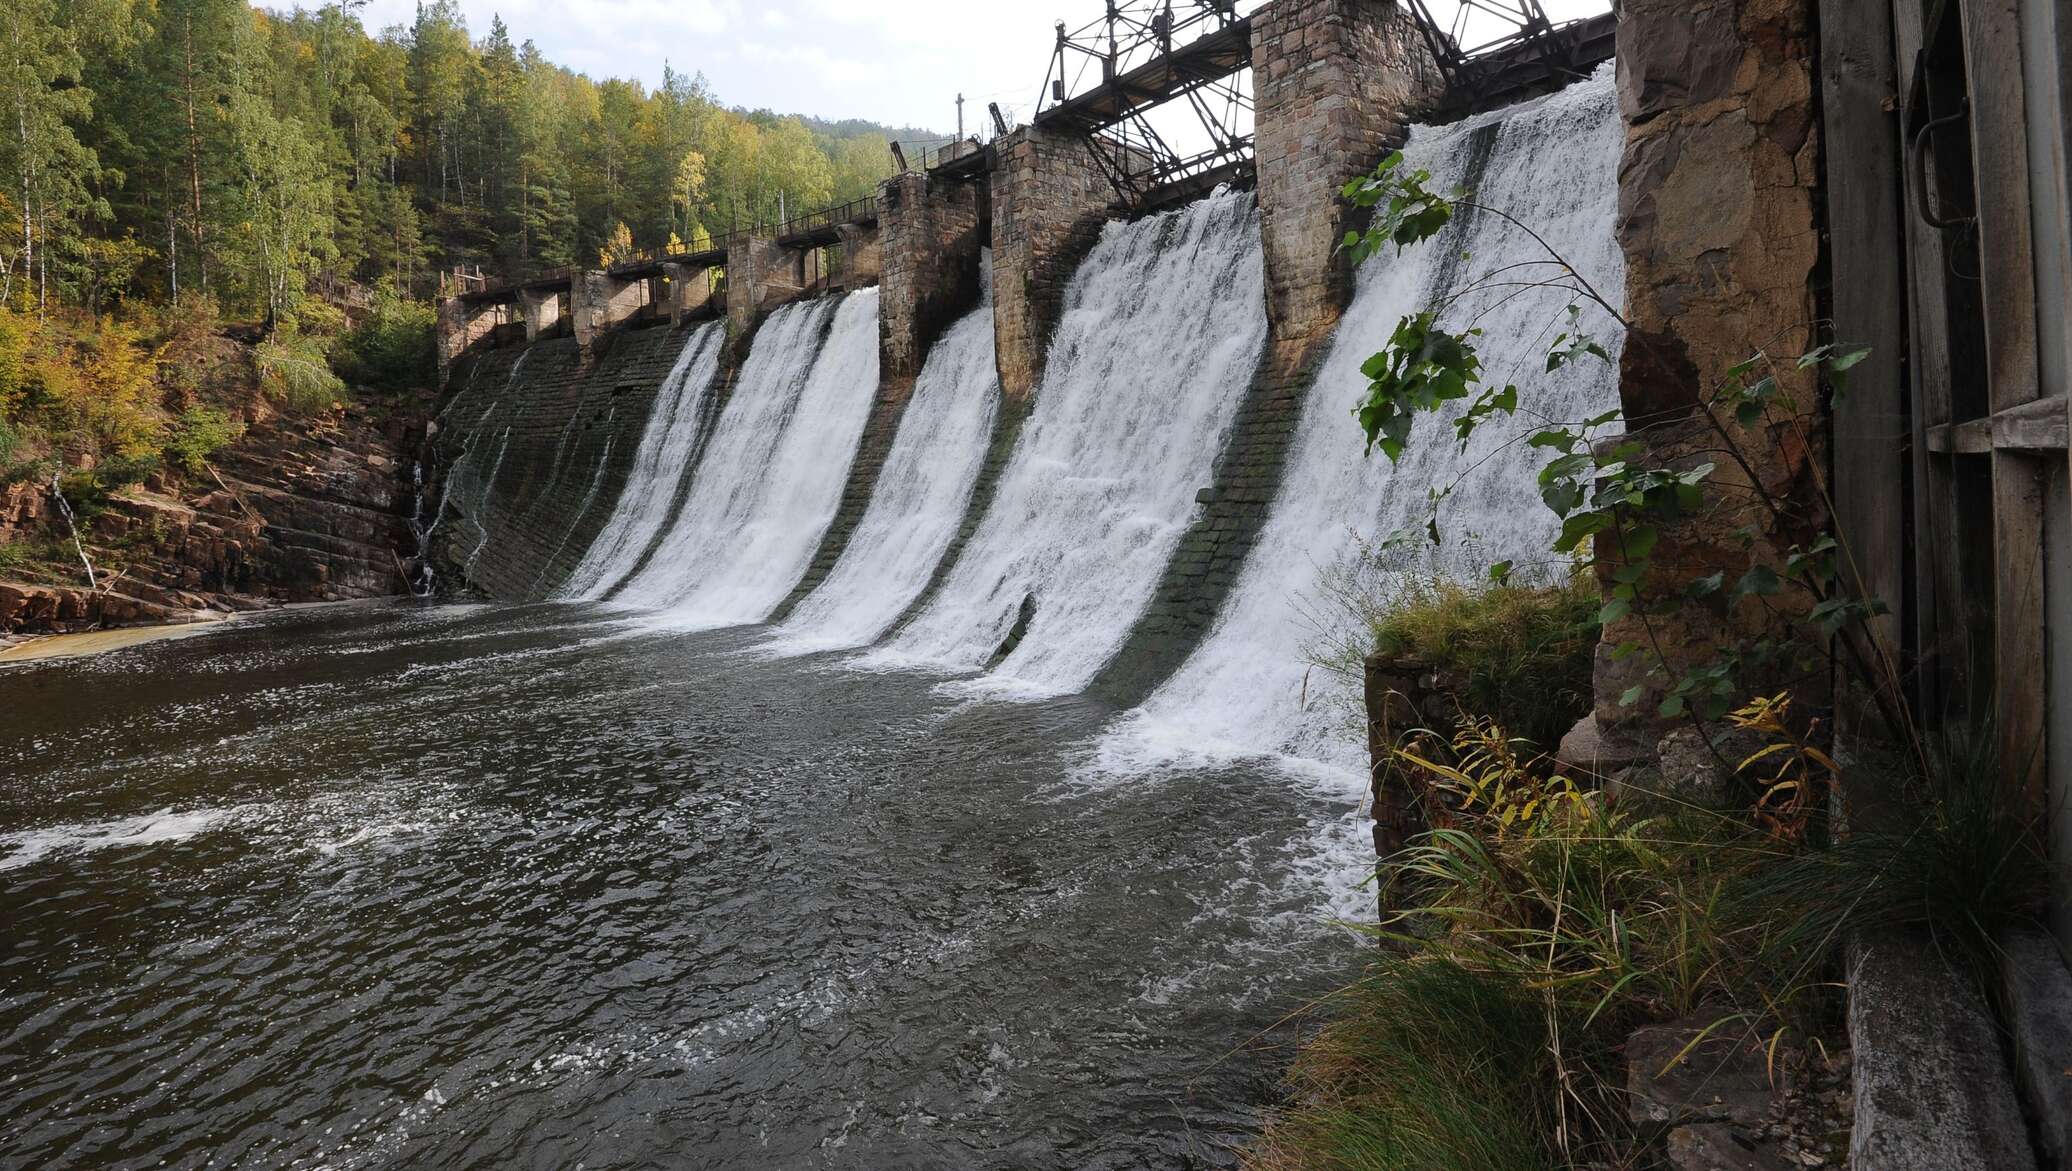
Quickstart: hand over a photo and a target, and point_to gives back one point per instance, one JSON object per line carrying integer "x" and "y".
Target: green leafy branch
{"x": 1605, "y": 492}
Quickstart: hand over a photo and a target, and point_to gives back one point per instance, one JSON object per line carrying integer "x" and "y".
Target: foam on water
{"x": 152, "y": 829}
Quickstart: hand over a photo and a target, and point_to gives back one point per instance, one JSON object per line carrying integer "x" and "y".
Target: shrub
{"x": 392, "y": 346}
{"x": 200, "y": 433}
{"x": 294, "y": 371}
{"x": 1517, "y": 651}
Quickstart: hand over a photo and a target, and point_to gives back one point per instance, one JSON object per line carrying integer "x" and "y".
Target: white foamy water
{"x": 772, "y": 478}
{"x": 1161, "y": 334}
{"x": 652, "y": 484}
{"x": 919, "y": 500}
{"x": 1249, "y": 690}
{"x": 22, "y": 849}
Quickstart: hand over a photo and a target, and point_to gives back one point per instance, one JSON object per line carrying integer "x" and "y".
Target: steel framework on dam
{"x": 1108, "y": 75}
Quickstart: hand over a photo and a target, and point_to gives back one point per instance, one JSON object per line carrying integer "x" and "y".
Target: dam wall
{"x": 538, "y": 442}
{"x": 532, "y": 449}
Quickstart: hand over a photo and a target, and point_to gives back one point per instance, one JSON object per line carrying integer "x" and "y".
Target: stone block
{"x": 1334, "y": 79}
{"x": 1933, "y": 1089}
{"x": 2038, "y": 994}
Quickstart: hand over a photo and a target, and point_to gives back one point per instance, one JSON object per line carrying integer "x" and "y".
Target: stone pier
{"x": 1717, "y": 221}
{"x": 1050, "y": 199}
{"x": 761, "y": 275}
{"x": 930, "y": 244}
{"x": 861, "y": 256}
{"x": 1337, "y": 83}
{"x": 599, "y": 301}
{"x": 541, "y": 309}
{"x": 690, "y": 290}
{"x": 462, "y": 323}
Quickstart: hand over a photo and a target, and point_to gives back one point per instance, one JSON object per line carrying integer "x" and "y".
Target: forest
{"x": 168, "y": 164}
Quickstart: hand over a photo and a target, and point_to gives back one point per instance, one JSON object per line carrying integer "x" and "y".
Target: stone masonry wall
{"x": 598, "y": 301}
{"x": 930, "y": 245}
{"x": 1717, "y": 220}
{"x": 573, "y": 428}
{"x": 460, "y": 325}
{"x": 1337, "y": 84}
{"x": 761, "y": 275}
{"x": 1050, "y": 199}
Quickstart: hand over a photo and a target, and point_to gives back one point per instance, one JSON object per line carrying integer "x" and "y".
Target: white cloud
{"x": 902, "y": 63}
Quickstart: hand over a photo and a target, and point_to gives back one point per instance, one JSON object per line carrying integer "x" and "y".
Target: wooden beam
{"x": 1939, "y": 625}
{"x": 2000, "y": 162}
{"x": 1971, "y": 438}
{"x": 2039, "y": 426}
{"x": 1859, "y": 88}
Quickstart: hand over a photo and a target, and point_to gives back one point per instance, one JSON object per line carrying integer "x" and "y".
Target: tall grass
{"x": 1426, "y": 1066}
{"x": 1520, "y": 651}
{"x": 1526, "y": 948}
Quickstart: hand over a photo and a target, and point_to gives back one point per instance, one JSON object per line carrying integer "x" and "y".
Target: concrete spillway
{"x": 920, "y": 499}
{"x": 1161, "y": 332}
{"x": 1033, "y": 585}
{"x": 1251, "y": 688}
{"x": 763, "y": 496}
{"x": 675, "y": 433}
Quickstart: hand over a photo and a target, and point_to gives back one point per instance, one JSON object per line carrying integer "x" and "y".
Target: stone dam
{"x": 1129, "y": 381}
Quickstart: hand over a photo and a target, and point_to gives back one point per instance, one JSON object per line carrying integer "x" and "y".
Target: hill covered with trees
{"x": 204, "y": 145}
{"x": 170, "y": 166}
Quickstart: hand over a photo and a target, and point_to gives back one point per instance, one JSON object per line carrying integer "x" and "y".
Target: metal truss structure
{"x": 1108, "y": 75}
{"x": 1488, "y": 38}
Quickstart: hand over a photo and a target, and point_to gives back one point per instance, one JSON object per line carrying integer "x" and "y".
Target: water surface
{"x": 402, "y": 886}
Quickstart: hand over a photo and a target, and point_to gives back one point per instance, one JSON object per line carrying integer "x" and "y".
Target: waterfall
{"x": 772, "y": 476}
{"x": 667, "y": 447}
{"x": 1161, "y": 334}
{"x": 920, "y": 497}
{"x": 1248, "y": 689}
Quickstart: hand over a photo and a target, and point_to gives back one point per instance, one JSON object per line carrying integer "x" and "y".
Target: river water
{"x": 419, "y": 886}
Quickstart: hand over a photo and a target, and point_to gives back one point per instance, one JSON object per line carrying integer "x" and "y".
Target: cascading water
{"x": 920, "y": 498}
{"x": 653, "y": 485}
{"x": 772, "y": 479}
{"x": 1161, "y": 334}
{"x": 1248, "y": 689}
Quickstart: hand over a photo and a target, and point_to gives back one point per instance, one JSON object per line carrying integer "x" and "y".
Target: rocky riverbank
{"x": 300, "y": 509}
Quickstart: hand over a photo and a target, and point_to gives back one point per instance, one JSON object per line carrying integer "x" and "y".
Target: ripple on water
{"x": 514, "y": 888}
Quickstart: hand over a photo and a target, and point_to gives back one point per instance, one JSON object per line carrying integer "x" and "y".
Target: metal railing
{"x": 471, "y": 281}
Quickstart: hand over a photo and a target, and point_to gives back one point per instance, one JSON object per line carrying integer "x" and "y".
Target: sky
{"x": 902, "y": 63}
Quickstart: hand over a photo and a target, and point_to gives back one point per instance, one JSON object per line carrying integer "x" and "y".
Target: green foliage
{"x": 1611, "y": 500}
{"x": 204, "y": 146}
{"x": 392, "y": 347}
{"x": 294, "y": 371}
{"x": 1521, "y": 653}
{"x": 200, "y": 433}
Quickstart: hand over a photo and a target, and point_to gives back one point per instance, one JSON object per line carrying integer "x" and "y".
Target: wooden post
{"x": 1863, "y": 215}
